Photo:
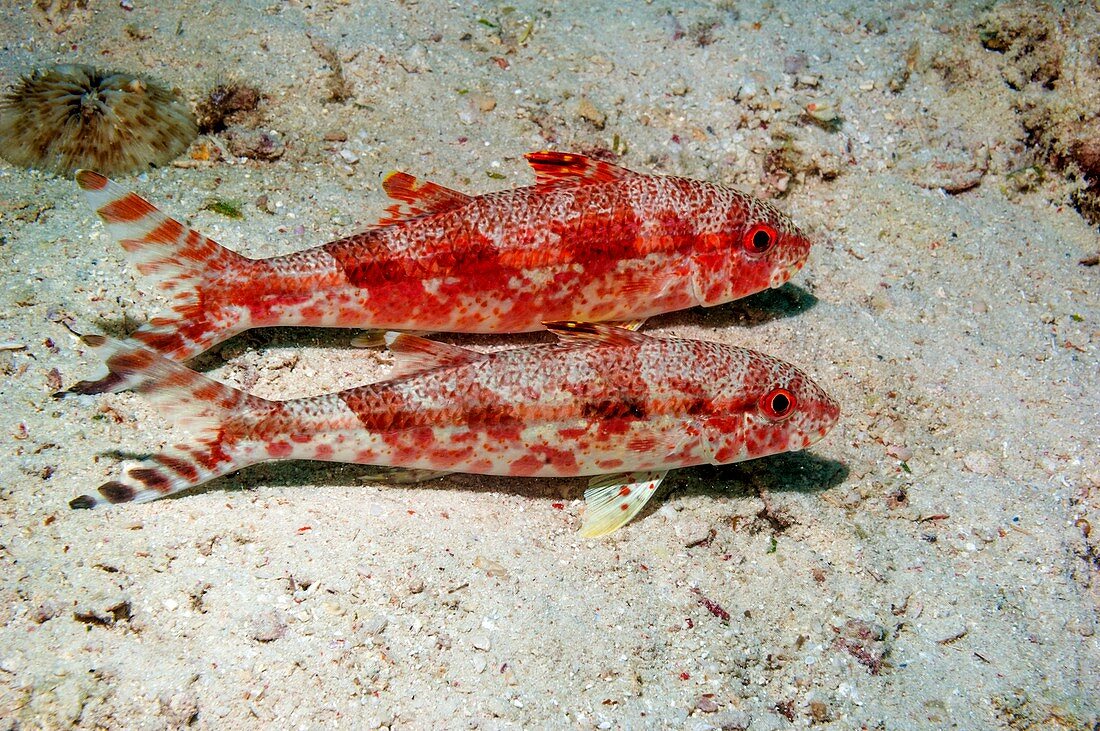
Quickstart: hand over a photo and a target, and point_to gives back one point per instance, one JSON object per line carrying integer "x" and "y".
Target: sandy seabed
{"x": 931, "y": 564}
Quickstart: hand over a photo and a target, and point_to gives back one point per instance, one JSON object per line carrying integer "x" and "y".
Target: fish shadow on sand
{"x": 789, "y": 300}
{"x": 802, "y": 472}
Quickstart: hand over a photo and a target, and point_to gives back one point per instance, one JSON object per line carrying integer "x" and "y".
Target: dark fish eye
{"x": 759, "y": 239}
{"x": 777, "y": 403}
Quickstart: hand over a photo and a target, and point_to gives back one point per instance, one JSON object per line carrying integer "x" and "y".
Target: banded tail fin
{"x": 192, "y": 270}
{"x": 221, "y": 420}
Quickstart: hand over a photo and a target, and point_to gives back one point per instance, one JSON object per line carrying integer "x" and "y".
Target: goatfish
{"x": 589, "y": 241}
{"x": 602, "y": 401}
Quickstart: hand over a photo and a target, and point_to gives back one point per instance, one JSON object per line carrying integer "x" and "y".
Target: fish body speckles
{"x": 601, "y": 400}
{"x": 590, "y": 241}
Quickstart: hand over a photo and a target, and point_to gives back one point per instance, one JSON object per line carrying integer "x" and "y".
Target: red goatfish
{"x": 602, "y": 400}
{"x": 590, "y": 241}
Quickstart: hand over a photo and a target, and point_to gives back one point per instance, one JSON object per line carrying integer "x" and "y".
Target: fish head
{"x": 757, "y": 248}
{"x": 765, "y": 406}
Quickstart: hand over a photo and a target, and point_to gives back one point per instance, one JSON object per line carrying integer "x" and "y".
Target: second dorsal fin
{"x": 596, "y": 334}
{"x": 553, "y": 167}
{"x": 417, "y": 197}
{"x": 414, "y": 354}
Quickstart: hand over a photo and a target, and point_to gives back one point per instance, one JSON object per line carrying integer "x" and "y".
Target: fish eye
{"x": 777, "y": 403}
{"x": 759, "y": 239}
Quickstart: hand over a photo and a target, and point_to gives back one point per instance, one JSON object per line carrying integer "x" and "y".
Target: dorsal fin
{"x": 595, "y": 334}
{"x": 414, "y": 354}
{"x": 417, "y": 197}
{"x": 566, "y": 168}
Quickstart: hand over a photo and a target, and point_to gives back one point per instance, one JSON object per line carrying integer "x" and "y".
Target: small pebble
{"x": 588, "y": 111}
{"x": 899, "y": 452}
{"x": 692, "y": 532}
{"x": 732, "y": 720}
{"x": 480, "y": 641}
{"x": 12, "y": 663}
{"x": 375, "y": 624}
{"x": 268, "y": 626}
{"x": 795, "y": 63}
{"x": 978, "y": 462}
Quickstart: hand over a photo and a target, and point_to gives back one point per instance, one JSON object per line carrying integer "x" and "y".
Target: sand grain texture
{"x": 958, "y": 330}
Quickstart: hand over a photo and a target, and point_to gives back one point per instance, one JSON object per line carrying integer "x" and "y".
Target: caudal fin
{"x": 193, "y": 271}
{"x": 220, "y": 418}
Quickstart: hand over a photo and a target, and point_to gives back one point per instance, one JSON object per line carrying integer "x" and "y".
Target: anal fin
{"x": 612, "y": 500}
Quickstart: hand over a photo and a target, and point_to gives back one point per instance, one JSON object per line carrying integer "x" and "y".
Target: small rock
{"x": 268, "y": 626}
{"x": 588, "y": 111}
{"x": 336, "y": 135}
{"x": 375, "y": 624}
{"x": 483, "y": 102}
{"x": 899, "y": 452}
{"x": 12, "y": 663}
{"x": 416, "y": 59}
{"x": 795, "y": 63}
{"x": 490, "y": 567}
{"x": 180, "y": 709}
{"x": 679, "y": 88}
{"x": 979, "y": 462}
{"x": 254, "y": 144}
{"x": 379, "y": 720}
{"x": 693, "y": 532}
{"x": 732, "y": 720}
{"x": 949, "y": 631}
{"x": 348, "y": 156}
{"x": 480, "y": 641}
{"x": 706, "y": 704}
{"x": 46, "y": 611}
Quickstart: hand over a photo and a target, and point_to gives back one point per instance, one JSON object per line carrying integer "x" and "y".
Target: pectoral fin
{"x": 612, "y": 500}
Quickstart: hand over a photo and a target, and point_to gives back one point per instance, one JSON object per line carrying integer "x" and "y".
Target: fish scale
{"x": 601, "y": 401}
{"x": 590, "y": 241}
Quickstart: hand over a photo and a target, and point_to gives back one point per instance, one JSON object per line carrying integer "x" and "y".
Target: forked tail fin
{"x": 221, "y": 420}
{"x": 194, "y": 271}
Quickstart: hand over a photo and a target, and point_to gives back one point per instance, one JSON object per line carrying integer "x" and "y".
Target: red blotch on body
{"x": 525, "y": 466}
{"x": 279, "y": 450}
